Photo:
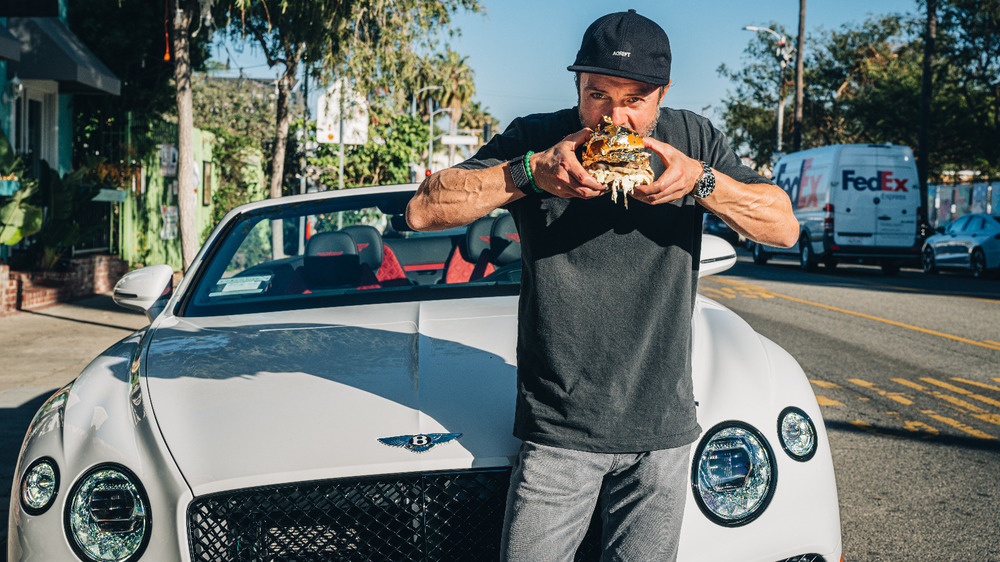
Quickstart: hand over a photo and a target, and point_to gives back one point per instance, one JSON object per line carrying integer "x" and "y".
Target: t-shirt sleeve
{"x": 721, "y": 157}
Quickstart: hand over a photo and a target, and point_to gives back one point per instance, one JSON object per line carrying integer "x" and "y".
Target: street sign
{"x": 460, "y": 140}
{"x": 355, "y": 117}
{"x": 110, "y": 196}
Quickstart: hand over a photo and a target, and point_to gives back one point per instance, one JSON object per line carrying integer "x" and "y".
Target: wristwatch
{"x": 520, "y": 176}
{"x": 706, "y": 183}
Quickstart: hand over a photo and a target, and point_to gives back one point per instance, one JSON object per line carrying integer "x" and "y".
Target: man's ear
{"x": 663, "y": 91}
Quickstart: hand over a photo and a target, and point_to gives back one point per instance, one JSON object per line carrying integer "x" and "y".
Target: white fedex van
{"x": 854, "y": 202}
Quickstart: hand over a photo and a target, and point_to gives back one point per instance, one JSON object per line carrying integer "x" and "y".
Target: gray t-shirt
{"x": 607, "y": 294}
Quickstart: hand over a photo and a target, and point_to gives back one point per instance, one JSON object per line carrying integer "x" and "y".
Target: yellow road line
{"x": 957, "y": 425}
{"x": 991, "y": 342}
{"x": 824, "y": 401}
{"x": 962, "y": 406}
{"x": 866, "y": 316}
{"x": 718, "y": 294}
{"x": 976, "y": 383}
{"x": 962, "y": 391}
{"x": 897, "y": 396}
{"x": 916, "y": 426}
{"x": 826, "y": 384}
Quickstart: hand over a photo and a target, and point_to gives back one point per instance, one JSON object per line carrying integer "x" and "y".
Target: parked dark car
{"x": 718, "y": 227}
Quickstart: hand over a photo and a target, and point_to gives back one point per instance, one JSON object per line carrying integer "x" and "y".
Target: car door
{"x": 966, "y": 240}
{"x": 947, "y": 250}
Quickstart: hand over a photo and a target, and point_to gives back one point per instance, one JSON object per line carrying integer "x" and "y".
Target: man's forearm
{"x": 455, "y": 197}
{"x": 761, "y": 212}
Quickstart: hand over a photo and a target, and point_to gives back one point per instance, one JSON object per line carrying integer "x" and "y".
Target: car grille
{"x": 424, "y": 516}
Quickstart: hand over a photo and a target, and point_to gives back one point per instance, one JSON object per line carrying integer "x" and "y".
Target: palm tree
{"x": 458, "y": 86}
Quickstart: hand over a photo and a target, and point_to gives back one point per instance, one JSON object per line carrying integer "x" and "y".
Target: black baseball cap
{"x": 626, "y": 45}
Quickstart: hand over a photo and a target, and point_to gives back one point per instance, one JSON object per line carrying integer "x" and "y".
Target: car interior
{"x": 350, "y": 250}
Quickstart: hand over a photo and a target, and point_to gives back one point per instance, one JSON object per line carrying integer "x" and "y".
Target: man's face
{"x": 627, "y": 102}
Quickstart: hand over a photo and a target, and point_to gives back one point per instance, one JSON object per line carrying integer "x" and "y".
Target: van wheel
{"x": 760, "y": 256}
{"x": 927, "y": 260}
{"x": 890, "y": 267}
{"x": 978, "y": 263}
{"x": 807, "y": 259}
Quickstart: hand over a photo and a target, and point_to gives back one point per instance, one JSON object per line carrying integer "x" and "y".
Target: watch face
{"x": 706, "y": 183}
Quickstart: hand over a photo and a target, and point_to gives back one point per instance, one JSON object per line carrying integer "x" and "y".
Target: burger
{"x": 614, "y": 156}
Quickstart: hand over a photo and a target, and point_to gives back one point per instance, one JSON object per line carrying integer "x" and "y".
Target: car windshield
{"x": 353, "y": 249}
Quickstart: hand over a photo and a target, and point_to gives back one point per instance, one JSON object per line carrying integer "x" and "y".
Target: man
{"x": 605, "y": 408}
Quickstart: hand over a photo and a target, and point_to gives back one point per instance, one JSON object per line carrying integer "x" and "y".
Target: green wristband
{"x": 527, "y": 170}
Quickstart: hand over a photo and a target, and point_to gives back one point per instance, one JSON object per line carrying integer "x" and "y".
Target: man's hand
{"x": 678, "y": 179}
{"x": 558, "y": 171}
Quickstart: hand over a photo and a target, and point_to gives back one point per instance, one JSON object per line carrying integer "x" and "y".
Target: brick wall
{"x": 88, "y": 275}
{"x": 8, "y": 291}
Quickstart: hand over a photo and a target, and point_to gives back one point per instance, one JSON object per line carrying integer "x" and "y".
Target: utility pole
{"x": 799, "y": 80}
{"x": 924, "y": 134}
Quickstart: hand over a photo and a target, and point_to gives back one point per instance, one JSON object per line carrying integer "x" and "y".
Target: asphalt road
{"x": 907, "y": 373}
{"x": 906, "y": 369}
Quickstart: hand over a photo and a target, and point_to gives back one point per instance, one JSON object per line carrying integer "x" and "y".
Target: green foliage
{"x": 240, "y": 113}
{"x": 863, "y": 84}
{"x": 128, "y": 37}
{"x": 66, "y": 222}
{"x": 750, "y": 114}
{"x": 241, "y": 109}
{"x": 18, "y": 218}
{"x": 373, "y": 44}
{"x": 394, "y": 141}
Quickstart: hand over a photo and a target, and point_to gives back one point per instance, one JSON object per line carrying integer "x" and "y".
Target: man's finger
{"x": 579, "y": 137}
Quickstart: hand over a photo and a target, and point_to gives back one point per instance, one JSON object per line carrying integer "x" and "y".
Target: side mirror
{"x": 717, "y": 255}
{"x": 145, "y": 290}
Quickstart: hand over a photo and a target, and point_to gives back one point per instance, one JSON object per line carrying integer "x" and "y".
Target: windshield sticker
{"x": 249, "y": 285}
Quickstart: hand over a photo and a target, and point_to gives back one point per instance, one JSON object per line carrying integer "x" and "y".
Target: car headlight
{"x": 39, "y": 486}
{"x": 797, "y": 434}
{"x": 108, "y": 517}
{"x": 734, "y": 474}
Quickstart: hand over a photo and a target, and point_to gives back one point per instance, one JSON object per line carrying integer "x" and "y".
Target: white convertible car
{"x": 325, "y": 384}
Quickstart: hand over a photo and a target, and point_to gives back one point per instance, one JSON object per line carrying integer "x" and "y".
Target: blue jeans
{"x": 554, "y": 492}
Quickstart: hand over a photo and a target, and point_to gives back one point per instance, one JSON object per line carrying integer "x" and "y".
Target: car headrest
{"x": 505, "y": 243}
{"x": 331, "y": 259}
{"x": 477, "y": 239}
{"x": 369, "y": 242}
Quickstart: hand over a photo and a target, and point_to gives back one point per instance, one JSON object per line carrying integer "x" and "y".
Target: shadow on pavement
{"x": 959, "y": 441}
{"x": 14, "y": 424}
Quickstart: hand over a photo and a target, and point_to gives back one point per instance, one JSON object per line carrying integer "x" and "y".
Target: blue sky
{"x": 520, "y": 49}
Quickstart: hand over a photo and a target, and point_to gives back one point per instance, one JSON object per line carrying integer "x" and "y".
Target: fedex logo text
{"x": 882, "y": 181}
{"x": 802, "y": 188}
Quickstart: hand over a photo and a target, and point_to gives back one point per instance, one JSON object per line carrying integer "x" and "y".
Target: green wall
{"x": 145, "y": 239}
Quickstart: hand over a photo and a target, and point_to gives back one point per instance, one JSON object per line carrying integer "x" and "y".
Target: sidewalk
{"x": 42, "y": 350}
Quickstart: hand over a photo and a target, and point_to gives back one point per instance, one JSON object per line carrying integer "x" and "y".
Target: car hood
{"x": 302, "y": 395}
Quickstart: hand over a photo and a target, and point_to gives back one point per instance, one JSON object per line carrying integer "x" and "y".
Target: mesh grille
{"x": 432, "y": 516}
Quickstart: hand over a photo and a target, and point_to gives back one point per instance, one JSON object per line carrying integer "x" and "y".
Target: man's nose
{"x": 619, "y": 115}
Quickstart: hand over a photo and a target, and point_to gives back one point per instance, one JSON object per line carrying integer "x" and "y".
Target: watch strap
{"x": 519, "y": 174}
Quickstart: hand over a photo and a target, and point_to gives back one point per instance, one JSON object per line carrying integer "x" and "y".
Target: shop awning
{"x": 10, "y": 47}
{"x": 50, "y": 51}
